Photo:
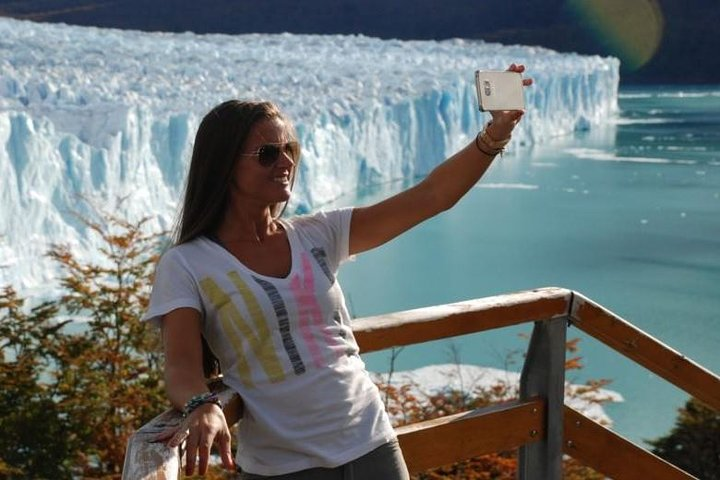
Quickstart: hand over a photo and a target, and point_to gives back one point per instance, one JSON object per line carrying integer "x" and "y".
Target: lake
{"x": 627, "y": 214}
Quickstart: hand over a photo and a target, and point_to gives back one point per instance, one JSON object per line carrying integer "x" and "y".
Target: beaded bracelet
{"x": 479, "y": 142}
{"x": 198, "y": 400}
{"x": 492, "y": 146}
{"x": 491, "y": 142}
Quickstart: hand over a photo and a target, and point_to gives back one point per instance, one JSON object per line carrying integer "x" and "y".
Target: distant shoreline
{"x": 686, "y": 34}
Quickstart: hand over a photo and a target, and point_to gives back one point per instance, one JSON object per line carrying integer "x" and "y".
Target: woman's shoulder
{"x": 180, "y": 253}
{"x": 320, "y": 218}
{"x": 324, "y": 228}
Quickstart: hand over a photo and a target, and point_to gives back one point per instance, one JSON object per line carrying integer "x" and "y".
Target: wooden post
{"x": 543, "y": 375}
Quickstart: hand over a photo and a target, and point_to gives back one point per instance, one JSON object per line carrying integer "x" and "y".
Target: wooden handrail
{"x": 509, "y": 423}
{"x": 646, "y": 350}
{"x": 611, "y": 454}
{"x": 512, "y": 423}
{"x": 453, "y": 319}
{"x": 145, "y": 460}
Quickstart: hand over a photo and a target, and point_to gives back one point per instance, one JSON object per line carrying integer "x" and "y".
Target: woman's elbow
{"x": 442, "y": 202}
{"x": 438, "y": 198}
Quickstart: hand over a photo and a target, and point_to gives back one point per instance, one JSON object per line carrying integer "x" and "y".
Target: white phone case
{"x": 499, "y": 90}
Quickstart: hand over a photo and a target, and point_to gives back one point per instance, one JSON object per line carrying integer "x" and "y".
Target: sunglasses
{"x": 269, "y": 153}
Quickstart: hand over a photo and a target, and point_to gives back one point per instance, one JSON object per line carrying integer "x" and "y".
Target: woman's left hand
{"x": 504, "y": 121}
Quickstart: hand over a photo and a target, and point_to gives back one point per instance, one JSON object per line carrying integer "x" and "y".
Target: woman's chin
{"x": 284, "y": 196}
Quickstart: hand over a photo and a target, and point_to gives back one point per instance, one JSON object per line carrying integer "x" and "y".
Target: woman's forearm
{"x": 184, "y": 376}
{"x": 452, "y": 179}
{"x": 181, "y": 387}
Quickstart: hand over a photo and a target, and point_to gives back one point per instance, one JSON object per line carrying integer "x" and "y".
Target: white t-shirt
{"x": 284, "y": 344}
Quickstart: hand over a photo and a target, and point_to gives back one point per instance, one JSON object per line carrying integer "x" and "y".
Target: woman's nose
{"x": 286, "y": 158}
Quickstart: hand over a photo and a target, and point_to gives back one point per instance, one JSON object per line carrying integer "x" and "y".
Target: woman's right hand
{"x": 202, "y": 428}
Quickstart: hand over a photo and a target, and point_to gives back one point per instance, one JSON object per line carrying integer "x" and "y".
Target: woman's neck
{"x": 243, "y": 226}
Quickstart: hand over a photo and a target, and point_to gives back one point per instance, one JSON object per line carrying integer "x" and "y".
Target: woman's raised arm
{"x": 376, "y": 224}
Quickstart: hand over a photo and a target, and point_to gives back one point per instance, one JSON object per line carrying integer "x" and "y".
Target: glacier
{"x": 98, "y": 117}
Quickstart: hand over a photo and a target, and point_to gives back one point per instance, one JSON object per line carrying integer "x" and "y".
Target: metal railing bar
{"x": 543, "y": 375}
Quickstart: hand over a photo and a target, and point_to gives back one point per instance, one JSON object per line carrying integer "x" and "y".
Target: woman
{"x": 261, "y": 291}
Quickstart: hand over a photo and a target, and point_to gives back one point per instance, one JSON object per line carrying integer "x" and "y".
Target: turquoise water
{"x": 627, "y": 214}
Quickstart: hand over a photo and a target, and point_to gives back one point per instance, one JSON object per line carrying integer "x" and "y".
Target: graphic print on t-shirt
{"x": 321, "y": 258}
{"x": 230, "y": 319}
{"x": 311, "y": 317}
{"x": 284, "y": 325}
{"x": 309, "y": 328}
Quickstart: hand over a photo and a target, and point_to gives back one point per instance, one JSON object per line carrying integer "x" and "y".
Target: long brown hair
{"x": 219, "y": 139}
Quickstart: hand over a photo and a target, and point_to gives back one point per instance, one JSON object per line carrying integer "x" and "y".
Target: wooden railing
{"x": 538, "y": 422}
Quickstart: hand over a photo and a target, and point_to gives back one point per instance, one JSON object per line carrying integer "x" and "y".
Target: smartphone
{"x": 499, "y": 90}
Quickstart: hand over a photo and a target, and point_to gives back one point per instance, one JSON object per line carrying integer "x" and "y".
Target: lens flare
{"x": 630, "y": 29}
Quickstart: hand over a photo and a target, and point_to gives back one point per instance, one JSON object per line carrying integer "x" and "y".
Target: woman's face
{"x": 265, "y": 185}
